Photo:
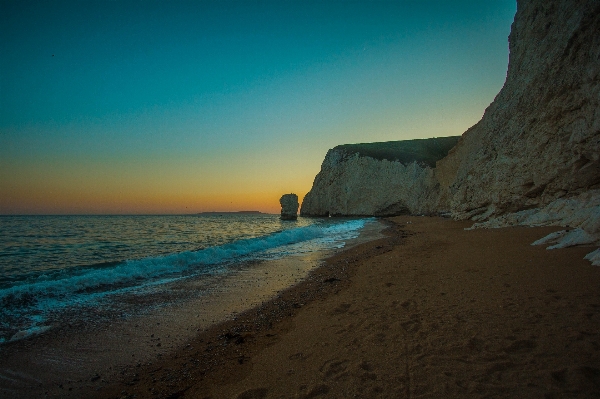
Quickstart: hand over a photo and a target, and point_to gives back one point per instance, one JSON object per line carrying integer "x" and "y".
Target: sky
{"x": 162, "y": 107}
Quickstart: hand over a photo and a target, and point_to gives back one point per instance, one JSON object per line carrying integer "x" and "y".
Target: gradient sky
{"x": 186, "y": 106}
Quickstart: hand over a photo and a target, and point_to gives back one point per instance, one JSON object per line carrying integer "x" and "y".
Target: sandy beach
{"x": 431, "y": 310}
{"x": 143, "y": 148}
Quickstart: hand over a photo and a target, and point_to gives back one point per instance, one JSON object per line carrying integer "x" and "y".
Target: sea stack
{"x": 289, "y": 207}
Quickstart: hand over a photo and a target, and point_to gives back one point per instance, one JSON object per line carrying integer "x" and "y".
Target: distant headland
{"x": 232, "y": 213}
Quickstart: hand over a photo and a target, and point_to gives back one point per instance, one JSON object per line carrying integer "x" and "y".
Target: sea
{"x": 57, "y": 268}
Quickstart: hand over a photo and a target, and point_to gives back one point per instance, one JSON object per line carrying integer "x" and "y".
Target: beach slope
{"x": 432, "y": 310}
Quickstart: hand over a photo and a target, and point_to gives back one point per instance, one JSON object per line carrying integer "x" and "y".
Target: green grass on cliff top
{"x": 424, "y": 151}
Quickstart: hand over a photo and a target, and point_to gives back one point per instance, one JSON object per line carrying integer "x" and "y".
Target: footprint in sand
{"x": 413, "y": 325}
{"x": 334, "y": 369}
{"x": 408, "y": 304}
{"x": 522, "y": 345}
{"x": 475, "y": 344}
{"x": 254, "y": 393}
{"x": 498, "y": 367}
{"x": 342, "y": 308}
{"x": 318, "y": 390}
{"x": 298, "y": 356}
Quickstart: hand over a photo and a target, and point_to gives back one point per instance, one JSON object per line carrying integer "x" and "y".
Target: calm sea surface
{"x": 50, "y": 265}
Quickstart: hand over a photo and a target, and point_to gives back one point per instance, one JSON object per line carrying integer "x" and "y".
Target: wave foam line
{"x": 136, "y": 272}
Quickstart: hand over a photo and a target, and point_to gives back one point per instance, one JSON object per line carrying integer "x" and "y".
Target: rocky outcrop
{"x": 540, "y": 139}
{"x": 579, "y": 214}
{"x": 380, "y": 179}
{"x": 289, "y": 206}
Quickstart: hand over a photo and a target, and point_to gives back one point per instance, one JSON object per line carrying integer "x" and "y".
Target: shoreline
{"x": 429, "y": 310}
{"x": 90, "y": 351}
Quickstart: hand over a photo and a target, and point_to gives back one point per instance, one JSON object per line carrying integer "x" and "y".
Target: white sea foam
{"x": 56, "y": 290}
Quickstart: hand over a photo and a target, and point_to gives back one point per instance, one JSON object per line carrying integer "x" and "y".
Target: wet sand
{"x": 88, "y": 348}
{"x": 431, "y": 310}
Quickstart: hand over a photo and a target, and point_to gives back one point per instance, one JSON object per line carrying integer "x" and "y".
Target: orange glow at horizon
{"x": 152, "y": 188}
{"x": 145, "y": 184}
{"x": 31, "y": 202}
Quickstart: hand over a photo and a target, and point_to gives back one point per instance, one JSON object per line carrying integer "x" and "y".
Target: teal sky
{"x": 187, "y": 106}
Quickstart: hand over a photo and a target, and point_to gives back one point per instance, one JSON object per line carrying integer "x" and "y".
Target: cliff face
{"x": 533, "y": 159}
{"x": 380, "y": 179}
{"x": 540, "y": 139}
{"x": 538, "y": 142}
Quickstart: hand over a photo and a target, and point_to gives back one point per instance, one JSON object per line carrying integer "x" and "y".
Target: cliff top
{"x": 424, "y": 151}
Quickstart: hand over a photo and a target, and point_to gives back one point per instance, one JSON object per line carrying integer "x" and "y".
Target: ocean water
{"x": 52, "y": 267}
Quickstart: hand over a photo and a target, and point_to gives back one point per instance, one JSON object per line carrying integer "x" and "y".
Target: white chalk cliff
{"x": 540, "y": 138}
{"x": 364, "y": 179}
{"x": 534, "y": 158}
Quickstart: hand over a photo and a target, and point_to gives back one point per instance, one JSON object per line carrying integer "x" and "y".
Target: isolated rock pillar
{"x": 289, "y": 207}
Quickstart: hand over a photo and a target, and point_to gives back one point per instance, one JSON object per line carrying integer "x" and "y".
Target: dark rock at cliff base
{"x": 289, "y": 206}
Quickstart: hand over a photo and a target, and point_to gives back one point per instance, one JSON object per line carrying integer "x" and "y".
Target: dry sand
{"x": 430, "y": 311}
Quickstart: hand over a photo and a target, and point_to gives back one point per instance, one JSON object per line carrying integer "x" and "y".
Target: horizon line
{"x": 131, "y": 214}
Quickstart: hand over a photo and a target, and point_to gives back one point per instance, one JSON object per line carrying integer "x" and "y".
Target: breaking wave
{"x": 27, "y": 301}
